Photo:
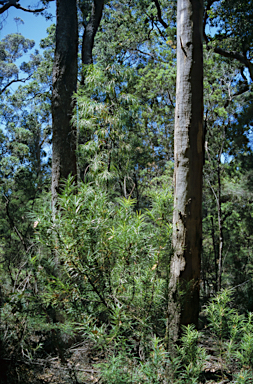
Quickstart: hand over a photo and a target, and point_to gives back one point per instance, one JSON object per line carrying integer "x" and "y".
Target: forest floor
{"x": 80, "y": 367}
{"x": 77, "y": 369}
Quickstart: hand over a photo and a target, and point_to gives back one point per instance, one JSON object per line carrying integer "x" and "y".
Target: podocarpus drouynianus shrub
{"x": 100, "y": 272}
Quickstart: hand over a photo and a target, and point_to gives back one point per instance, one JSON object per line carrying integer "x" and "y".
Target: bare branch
{"x": 237, "y": 56}
{"x": 5, "y": 7}
{"x": 29, "y": 10}
{"x": 161, "y": 33}
{"x": 241, "y": 91}
{"x": 14, "y": 3}
{"x": 14, "y": 81}
{"x": 159, "y": 14}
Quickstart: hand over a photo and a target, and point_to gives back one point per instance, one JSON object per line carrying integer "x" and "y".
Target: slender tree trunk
{"x": 220, "y": 227}
{"x": 91, "y": 30}
{"x": 215, "y": 256}
{"x": 64, "y": 87}
{"x": 188, "y": 144}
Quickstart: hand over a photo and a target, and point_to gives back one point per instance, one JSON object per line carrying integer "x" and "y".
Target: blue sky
{"x": 34, "y": 27}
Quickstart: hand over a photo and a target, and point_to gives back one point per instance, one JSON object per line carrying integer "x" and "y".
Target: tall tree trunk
{"x": 215, "y": 256}
{"x": 90, "y": 31}
{"x": 64, "y": 87}
{"x": 220, "y": 225}
{"x": 188, "y": 143}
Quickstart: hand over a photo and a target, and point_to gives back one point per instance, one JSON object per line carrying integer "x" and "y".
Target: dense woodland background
{"x": 84, "y": 289}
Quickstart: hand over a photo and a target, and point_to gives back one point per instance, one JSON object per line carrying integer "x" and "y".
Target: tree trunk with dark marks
{"x": 64, "y": 87}
{"x": 188, "y": 142}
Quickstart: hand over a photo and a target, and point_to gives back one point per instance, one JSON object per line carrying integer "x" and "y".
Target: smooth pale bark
{"x": 64, "y": 87}
{"x": 188, "y": 152}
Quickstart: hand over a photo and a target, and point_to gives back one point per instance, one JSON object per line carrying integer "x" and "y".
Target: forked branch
{"x": 159, "y": 14}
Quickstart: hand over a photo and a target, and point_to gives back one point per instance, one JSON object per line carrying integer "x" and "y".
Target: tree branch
{"x": 14, "y": 3}
{"x": 91, "y": 30}
{"x": 159, "y": 14}
{"x": 161, "y": 33}
{"x": 14, "y": 81}
{"x": 29, "y": 10}
{"x": 232, "y": 55}
{"x": 237, "y": 56}
{"x": 242, "y": 90}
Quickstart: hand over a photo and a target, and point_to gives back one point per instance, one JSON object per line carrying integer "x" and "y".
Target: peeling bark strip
{"x": 64, "y": 87}
{"x": 188, "y": 143}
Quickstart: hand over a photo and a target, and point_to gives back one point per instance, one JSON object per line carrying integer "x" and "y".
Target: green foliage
{"x": 158, "y": 366}
{"x": 125, "y": 109}
{"x": 221, "y": 316}
{"x": 226, "y": 198}
{"x": 191, "y": 355}
{"x": 243, "y": 377}
{"x": 113, "y": 118}
{"x": 245, "y": 352}
{"x": 231, "y": 16}
{"x": 12, "y": 47}
{"x": 233, "y": 334}
{"x": 25, "y": 117}
{"x": 122, "y": 368}
{"x": 100, "y": 270}
{"x": 99, "y": 265}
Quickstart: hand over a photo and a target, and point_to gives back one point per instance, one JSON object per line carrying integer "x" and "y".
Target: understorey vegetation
{"x": 98, "y": 282}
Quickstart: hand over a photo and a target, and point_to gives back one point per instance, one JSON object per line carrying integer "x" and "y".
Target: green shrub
{"x": 243, "y": 377}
